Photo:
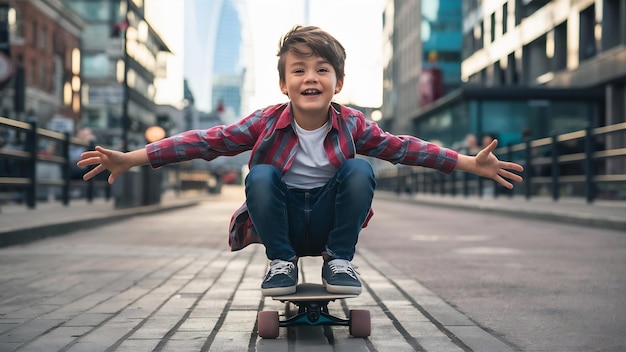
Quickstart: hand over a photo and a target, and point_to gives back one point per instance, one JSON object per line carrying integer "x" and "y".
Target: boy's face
{"x": 310, "y": 82}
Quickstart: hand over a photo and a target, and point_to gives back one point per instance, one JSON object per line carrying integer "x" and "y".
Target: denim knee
{"x": 357, "y": 174}
{"x": 262, "y": 174}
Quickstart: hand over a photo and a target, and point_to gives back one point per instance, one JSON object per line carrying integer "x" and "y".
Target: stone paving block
{"x": 9, "y": 346}
{"x": 246, "y": 299}
{"x": 478, "y": 339}
{"x": 230, "y": 341}
{"x": 155, "y": 328}
{"x": 198, "y": 324}
{"x": 29, "y": 330}
{"x": 122, "y": 300}
{"x": 88, "y": 319}
{"x": 277, "y": 345}
{"x": 182, "y": 345}
{"x": 56, "y": 339}
{"x": 239, "y": 321}
{"x": 350, "y": 345}
{"x": 105, "y": 335}
{"x": 312, "y": 339}
{"x": 138, "y": 345}
{"x": 5, "y": 326}
{"x": 429, "y": 336}
{"x": 443, "y": 312}
{"x": 31, "y": 312}
{"x": 197, "y": 285}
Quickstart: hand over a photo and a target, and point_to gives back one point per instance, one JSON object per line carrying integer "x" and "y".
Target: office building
{"x": 421, "y": 57}
{"x": 43, "y": 53}
{"x": 119, "y": 75}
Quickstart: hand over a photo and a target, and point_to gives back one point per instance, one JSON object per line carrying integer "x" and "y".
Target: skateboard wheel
{"x": 268, "y": 324}
{"x": 360, "y": 323}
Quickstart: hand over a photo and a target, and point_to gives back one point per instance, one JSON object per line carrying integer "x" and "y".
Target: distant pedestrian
{"x": 306, "y": 193}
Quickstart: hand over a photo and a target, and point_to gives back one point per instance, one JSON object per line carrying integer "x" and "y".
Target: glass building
{"x": 545, "y": 66}
{"x": 507, "y": 112}
{"x": 118, "y": 90}
{"x": 441, "y": 31}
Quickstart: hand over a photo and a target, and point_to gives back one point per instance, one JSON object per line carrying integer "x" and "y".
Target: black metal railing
{"x": 20, "y": 162}
{"x": 589, "y": 163}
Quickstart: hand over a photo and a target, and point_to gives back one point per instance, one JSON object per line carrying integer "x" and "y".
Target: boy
{"x": 306, "y": 193}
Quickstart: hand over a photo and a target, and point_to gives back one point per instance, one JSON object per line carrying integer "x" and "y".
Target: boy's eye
{"x": 299, "y": 70}
{"x": 323, "y": 69}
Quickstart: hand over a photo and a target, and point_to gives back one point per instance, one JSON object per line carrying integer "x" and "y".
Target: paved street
{"x": 436, "y": 279}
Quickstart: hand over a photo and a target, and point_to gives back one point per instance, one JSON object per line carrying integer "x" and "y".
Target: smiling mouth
{"x": 311, "y": 92}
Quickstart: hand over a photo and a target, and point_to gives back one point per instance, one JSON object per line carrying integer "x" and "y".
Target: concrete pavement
{"x": 169, "y": 283}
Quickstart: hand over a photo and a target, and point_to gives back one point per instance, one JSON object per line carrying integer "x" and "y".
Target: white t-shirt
{"x": 311, "y": 167}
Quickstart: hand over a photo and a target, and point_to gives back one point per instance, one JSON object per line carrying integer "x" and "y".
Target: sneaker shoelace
{"x": 341, "y": 266}
{"x": 278, "y": 266}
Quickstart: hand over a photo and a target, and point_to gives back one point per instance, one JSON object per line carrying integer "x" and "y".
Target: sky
{"x": 357, "y": 24}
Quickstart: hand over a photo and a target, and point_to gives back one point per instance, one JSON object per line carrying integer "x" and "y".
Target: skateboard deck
{"x": 312, "y": 302}
{"x": 310, "y": 292}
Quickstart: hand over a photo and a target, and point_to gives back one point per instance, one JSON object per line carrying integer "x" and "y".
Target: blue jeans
{"x": 307, "y": 222}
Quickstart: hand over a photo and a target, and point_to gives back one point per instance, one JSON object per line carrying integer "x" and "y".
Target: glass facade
{"x": 441, "y": 31}
{"x": 506, "y": 118}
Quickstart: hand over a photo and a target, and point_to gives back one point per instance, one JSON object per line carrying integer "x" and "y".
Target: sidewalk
{"x": 603, "y": 214}
{"x": 138, "y": 286}
{"x": 170, "y": 283}
{"x": 18, "y": 224}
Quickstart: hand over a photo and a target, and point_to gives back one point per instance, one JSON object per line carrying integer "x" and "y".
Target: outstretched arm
{"x": 487, "y": 165}
{"x": 114, "y": 161}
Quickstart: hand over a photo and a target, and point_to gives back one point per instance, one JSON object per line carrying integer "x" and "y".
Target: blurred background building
{"x": 40, "y": 46}
{"x": 514, "y": 69}
{"x": 121, "y": 60}
{"x": 539, "y": 66}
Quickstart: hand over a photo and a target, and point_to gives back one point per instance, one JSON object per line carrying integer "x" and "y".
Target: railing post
{"x": 65, "y": 195}
{"x": 90, "y": 184}
{"x": 31, "y": 165}
{"x": 527, "y": 174}
{"x": 509, "y": 156}
{"x": 554, "y": 166}
{"x": 466, "y": 176}
{"x": 442, "y": 180}
{"x": 453, "y": 183}
{"x": 590, "y": 190}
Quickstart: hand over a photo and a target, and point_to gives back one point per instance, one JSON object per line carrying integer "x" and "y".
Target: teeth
{"x": 311, "y": 91}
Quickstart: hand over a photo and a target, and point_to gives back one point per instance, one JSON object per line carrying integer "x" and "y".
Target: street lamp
{"x": 126, "y": 95}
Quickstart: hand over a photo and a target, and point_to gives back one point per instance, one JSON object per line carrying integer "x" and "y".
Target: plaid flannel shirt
{"x": 268, "y": 133}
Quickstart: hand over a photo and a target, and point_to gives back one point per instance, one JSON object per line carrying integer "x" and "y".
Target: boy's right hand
{"x": 105, "y": 159}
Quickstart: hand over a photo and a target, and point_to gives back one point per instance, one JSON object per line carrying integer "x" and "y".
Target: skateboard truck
{"x": 312, "y": 302}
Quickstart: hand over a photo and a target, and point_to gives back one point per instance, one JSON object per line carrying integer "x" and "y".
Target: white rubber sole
{"x": 343, "y": 290}
{"x": 278, "y": 291}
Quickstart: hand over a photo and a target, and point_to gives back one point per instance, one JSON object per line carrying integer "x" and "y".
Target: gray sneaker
{"x": 339, "y": 276}
{"x": 281, "y": 279}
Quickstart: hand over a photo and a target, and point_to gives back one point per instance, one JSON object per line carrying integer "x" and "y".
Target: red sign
{"x": 6, "y": 68}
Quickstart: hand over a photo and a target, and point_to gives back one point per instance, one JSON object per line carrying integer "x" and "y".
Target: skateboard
{"x": 312, "y": 302}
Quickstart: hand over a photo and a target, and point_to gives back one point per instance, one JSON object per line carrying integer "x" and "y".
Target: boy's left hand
{"x": 486, "y": 164}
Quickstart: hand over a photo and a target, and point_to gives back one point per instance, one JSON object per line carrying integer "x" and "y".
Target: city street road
{"x": 539, "y": 286}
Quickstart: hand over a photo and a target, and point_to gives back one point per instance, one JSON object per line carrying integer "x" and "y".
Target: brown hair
{"x": 319, "y": 44}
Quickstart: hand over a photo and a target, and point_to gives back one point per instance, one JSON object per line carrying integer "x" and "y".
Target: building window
{"x": 505, "y": 17}
{"x": 43, "y": 39}
{"x": 32, "y": 76}
{"x": 612, "y": 29}
{"x": 34, "y": 34}
{"x": 42, "y": 76}
{"x": 587, "y": 36}
{"x": 492, "y": 30}
{"x": 559, "y": 61}
{"x": 16, "y": 23}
